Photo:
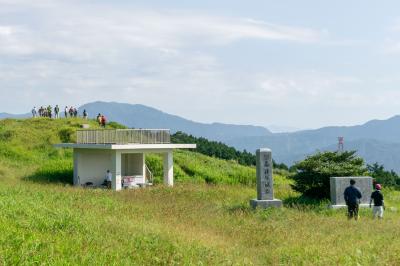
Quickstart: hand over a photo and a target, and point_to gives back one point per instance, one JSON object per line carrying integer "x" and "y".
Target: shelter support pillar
{"x": 116, "y": 170}
{"x": 76, "y": 180}
{"x": 144, "y": 167}
{"x": 168, "y": 168}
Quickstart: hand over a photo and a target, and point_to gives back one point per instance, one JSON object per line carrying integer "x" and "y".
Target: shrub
{"x": 220, "y": 150}
{"x": 115, "y": 125}
{"x": 381, "y": 176}
{"x": 313, "y": 174}
{"x": 155, "y": 165}
{"x": 66, "y": 134}
{"x": 7, "y": 135}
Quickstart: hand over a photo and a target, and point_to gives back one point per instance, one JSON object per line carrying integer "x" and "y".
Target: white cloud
{"x": 391, "y": 44}
{"x": 79, "y": 31}
{"x": 6, "y": 30}
{"x": 72, "y": 53}
{"x": 85, "y": 51}
{"x": 391, "y": 47}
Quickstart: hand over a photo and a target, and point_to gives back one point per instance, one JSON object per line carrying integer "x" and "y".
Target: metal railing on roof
{"x": 123, "y": 136}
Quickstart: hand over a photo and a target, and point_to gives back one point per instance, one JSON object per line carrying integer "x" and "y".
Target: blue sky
{"x": 302, "y": 64}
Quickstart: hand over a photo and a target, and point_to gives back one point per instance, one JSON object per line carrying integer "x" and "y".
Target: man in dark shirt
{"x": 379, "y": 204}
{"x": 352, "y": 196}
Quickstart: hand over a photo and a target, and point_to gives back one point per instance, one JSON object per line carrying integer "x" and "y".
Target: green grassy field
{"x": 204, "y": 220}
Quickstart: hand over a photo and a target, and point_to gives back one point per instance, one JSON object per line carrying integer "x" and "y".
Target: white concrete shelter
{"x": 97, "y": 151}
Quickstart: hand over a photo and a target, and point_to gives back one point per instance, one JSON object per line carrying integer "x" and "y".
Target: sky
{"x": 290, "y": 64}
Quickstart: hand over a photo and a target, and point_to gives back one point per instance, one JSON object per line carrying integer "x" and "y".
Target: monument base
{"x": 265, "y": 203}
{"x": 345, "y": 206}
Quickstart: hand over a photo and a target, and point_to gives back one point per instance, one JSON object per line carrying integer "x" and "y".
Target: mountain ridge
{"x": 141, "y": 116}
{"x": 376, "y": 140}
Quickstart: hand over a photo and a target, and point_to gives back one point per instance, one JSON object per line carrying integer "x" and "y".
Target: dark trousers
{"x": 352, "y": 210}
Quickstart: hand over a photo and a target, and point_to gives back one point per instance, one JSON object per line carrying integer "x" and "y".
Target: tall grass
{"x": 203, "y": 169}
{"x": 206, "y": 221}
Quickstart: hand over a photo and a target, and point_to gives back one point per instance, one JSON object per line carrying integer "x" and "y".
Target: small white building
{"x": 122, "y": 151}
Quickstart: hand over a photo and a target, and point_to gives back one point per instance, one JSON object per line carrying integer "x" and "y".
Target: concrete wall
{"x": 91, "y": 165}
{"x": 132, "y": 164}
{"x": 339, "y": 184}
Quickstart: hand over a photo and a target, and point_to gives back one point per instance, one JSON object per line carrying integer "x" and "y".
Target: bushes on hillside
{"x": 220, "y": 150}
{"x": 6, "y": 135}
{"x": 381, "y": 176}
{"x": 313, "y": 174}
{"x": 67, "y": 134}
{"x": 215, "y": 149}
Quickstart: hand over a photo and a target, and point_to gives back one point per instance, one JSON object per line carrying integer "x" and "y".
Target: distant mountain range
{"x": 7, "y": 115}
{"x": 140, "y": 116}
{"x": 375, "y": 141}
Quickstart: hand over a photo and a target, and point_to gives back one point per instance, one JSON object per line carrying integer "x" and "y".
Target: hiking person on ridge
{"x": 49, "y": 111}
{"x": 34, "y": 112}
{"x": 352, "y": 196}
{"x": 85, "y": 114}
{"x": 71, "y": 112}
{"x": 56, "y": 111}
{"x": 98, "y": 118}
{"x": 103, "y": 121}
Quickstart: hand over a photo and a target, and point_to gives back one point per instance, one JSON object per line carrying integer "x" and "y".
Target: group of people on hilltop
{"x": 102, "y": 120}
{"x": 51, "y": 112}
{"x": 352, "y": 196}
{"x": 70, "y": 111}
{"x": 46, "y": 111}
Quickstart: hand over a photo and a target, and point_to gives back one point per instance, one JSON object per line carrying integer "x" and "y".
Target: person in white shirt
{"x": 34, "y": 112}
{"x": 108, "y": 179}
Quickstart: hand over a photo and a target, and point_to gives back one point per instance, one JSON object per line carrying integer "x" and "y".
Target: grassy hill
{"x": 204, "y": 219}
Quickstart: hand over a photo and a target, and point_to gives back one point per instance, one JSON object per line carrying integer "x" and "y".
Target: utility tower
{"x": 340, "y": 144}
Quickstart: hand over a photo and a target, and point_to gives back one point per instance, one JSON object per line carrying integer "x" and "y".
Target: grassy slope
{"x": 188, "y": 224}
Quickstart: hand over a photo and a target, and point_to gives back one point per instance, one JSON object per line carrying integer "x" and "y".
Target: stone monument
{"x": 339, "y": 184}
{"x": 265, "y": 184}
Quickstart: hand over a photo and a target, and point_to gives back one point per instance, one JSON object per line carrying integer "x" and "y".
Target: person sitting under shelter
{"x": 108, "y": 180}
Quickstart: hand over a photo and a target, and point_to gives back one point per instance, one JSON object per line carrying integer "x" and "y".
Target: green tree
{"x": 381, "y": 176}
{"x": 314, "y": 173}
{"x": 220, "y": 150}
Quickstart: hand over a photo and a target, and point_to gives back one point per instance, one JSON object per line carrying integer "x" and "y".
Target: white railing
{"x": 149, "y": 175}
{"x": 123, "y": 136}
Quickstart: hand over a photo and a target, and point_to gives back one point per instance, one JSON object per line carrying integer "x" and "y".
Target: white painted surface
{"x": 116, "y": 170}
{"x": 168, "y": 168}
{"x": 91, "y": 161}
{"x": 160, "y": 147}
{"x": 91, "y": 165}
{"x": 76, "y": 180}
{"x": 144, "y": 168}
{"x": 132, "y": 164}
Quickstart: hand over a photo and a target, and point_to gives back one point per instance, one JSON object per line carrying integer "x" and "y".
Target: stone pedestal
{"x": 265, "y": 182}
{"x": 255, "y": 203}
{"x": 339, "y": 184}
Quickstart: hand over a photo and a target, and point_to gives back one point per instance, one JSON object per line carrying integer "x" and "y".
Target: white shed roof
{"x": 126, "y": 146}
